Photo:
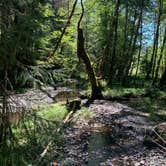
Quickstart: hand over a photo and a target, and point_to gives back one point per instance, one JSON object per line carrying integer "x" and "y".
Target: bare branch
{"x": 64, "y": 29}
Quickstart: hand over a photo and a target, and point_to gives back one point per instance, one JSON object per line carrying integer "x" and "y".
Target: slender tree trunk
{"x": 157, "y": 36}
{"x": 125, "y": 42}
{"x": 104, "y": 63}
{"x": 155, "y": 44}
{"x": 159, "y": 61}
{"x": 64, "y": 29}
{"x": 106, "y": 57}
{"x": 127, "y": 52}
{"x": 125, "y": 28}
{"x": 114, "y": 50}
{"x": 163, "y": 80}
{"x": 133, "y": 45}
{"x": 81, "y": 53}
{"x": 135, "y": 40}
{"x": 146, "y": 62}
{"x": 139, "y": 53}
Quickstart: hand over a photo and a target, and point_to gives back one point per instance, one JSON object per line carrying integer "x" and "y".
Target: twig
{"x": 66, "y": 120}
{"x": 159, "y": 136}
{"x": 159, "y": 145}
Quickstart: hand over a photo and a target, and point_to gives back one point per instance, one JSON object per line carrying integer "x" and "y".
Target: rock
{"x": 68, "y": 162}
{"x": 137, "y": 164}
{"x": 142, "y": 162}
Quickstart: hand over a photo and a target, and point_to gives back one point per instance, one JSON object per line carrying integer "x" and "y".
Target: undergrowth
{"x": 31, "y": 136}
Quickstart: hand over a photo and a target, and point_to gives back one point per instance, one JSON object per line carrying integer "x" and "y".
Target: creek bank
{"x": 114, "y": 136}
{"x": 21, "y": 103}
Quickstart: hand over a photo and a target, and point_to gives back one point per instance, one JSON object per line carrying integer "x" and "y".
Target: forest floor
{"x": 112, "y": 133}
{"x": 114, "y": 136}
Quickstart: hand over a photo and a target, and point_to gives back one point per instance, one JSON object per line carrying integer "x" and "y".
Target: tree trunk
{"x": 133, "y": 45}
{"x": 96, "y": 91}
{"x": 81, "y": 53}
{"x": 127, "y": 53}
{"x": 139, "y": 53}
{"x": 157, "y": 37}
{"x": 161, "y": 55}
{"x": 107, "y": 54}
{"x": 125, "y": 42}
{"x": 151, "y": 68}
{"x": 114, "y": 52}
{"x": 64, "y": 30}
{"x": 163, "y": 80}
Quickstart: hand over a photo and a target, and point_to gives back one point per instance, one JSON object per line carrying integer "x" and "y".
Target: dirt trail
{"x": 113, "y": 137}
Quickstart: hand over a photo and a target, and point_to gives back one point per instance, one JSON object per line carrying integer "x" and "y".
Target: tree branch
{"x": 64, "y": 29}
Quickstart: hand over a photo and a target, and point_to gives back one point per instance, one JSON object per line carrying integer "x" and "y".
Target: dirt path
{"x": 113, "y": 137}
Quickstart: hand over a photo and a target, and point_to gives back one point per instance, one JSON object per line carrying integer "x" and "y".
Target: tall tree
{"x": 140, "y": 46}
{"x": 114, "y": 49}
{"x": 155, "y": 43}
{"x": 160, "y": 58}
{"x": 82, "y": 55}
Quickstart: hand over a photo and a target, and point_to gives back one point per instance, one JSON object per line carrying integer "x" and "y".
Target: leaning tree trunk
{"x": 81, "y": 53}
{"x": 96, "y": 91}
{"x": 64, "y": 29}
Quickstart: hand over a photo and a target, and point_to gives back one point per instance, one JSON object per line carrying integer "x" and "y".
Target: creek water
{"x": 99, "y": 148}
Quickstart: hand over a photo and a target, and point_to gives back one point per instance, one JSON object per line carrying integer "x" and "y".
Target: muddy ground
{"x": 115, "y": 136}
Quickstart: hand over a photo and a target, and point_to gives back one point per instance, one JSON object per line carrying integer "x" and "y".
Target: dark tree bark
{"x": 107, "y": 54}
{"x": 132, "y": 44}
{"x": 163, "y": 80}
{"x": 135, "y": 39}
{"x": 104, "y": 63}
{"x": 159, "y": 61}
{"x": 126, "y": 54}
{"x": 4, "y": 118}
{"x": 81, "y": 53}
{"x": 155, "y": 44}
{"x": 114, "y": 49}
{"x": 139, "y": 52}
{"x": 125, "y": 42}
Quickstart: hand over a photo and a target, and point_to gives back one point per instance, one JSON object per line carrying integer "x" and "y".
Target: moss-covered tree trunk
{"x": 96, "y": 91}
{"x": 82, "y": 55}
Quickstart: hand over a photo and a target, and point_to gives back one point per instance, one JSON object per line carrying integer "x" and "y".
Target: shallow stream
{"x": 99, "y": 148}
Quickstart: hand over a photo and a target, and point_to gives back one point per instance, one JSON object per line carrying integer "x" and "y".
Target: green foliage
{"x": 153, "y": 92}
{"x": 28, "y": 34}
{"x": 31, "y": 136}
{"x": 54, "y": 112}
{"x": 84, "y": 114}
{"x": 122, "y": 92}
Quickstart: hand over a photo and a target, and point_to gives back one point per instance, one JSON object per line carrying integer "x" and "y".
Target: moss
{"x": 55, "y": 112}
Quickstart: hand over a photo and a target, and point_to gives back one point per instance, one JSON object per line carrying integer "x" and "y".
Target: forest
{"x": 82, "y": 82}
